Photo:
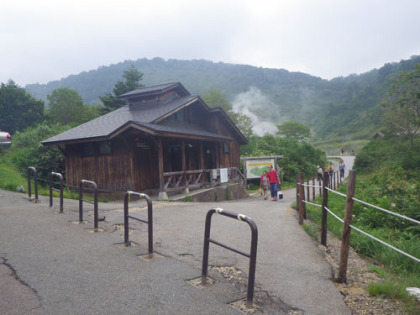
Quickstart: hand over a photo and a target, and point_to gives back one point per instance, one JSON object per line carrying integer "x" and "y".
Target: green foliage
{"x": 65, "y": 106}
{"x": 389, "y": 289}
{"x": 216, "y": 98}
{"x": 18, "y": 109}
{"x": 10, "y": 178}
{"x": 112, "y": 101}
{"x": 394, "y": 286}
{"x": 297, "y": 156}
{"x": 345, "y": 108}
{"x": 28, "y": 150}
{"x": 294, "y": 130}
{"x": 188, "y": 199}
{"x": 392, "y": 152}
{"x": 402, "y": 106}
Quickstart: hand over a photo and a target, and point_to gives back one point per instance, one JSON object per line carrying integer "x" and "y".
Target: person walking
{"x": 319, "y": 174}
{"x": 264, "y": 184}
{"x": 342, "y": 168}
{"x": 274, "y": 180}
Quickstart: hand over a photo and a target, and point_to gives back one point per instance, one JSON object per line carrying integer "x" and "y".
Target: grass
{"x": 398, "y": 271}
{"x": 10, "y": 179}
{"x": 394, "y": 286}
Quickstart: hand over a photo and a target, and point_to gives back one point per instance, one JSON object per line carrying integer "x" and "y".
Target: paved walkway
{"x": 63, "y": 268}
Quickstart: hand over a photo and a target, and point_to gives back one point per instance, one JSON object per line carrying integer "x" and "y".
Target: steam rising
{"x": 251, "y": 102}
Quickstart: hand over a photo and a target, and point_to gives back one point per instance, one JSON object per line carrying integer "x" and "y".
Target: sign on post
{"x": 255, "y": 168}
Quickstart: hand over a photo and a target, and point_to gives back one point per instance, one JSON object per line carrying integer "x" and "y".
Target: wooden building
{"x": 164, "y": 139}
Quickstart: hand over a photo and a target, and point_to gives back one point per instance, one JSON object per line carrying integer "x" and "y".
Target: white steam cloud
{"x": 251, "y": 102}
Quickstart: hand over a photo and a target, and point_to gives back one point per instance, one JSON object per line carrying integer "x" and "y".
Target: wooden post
{"x": 324, "y": 211}
{"x": 183, "y": 158}
{"x": 336, "y": 180}
{"x": 307, "y": 191}
{"x": 297, "y": 192}
{"x": 345, "y": 243}
{"x": 303, "y": 195}
{"x": 160, "y": 164}
{"x": 302, "y": 209}
{"x": 320, "y": 188}
{"x": 337, "y": 176}
{"x": 313, "y": 189}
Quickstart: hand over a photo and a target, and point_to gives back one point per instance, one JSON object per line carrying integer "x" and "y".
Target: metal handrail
{"x": 95, "y": 202}
{"x": 252, "y": 256}
{"x": 33, "y": 169}
{"x": 52, "y": 174}
{"x": 149, "y": 218}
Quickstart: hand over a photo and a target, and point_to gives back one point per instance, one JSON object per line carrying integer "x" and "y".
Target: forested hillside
{"x": 345, "y": 108}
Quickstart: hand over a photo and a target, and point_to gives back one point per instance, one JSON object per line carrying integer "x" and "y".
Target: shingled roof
{"x": 147, "y": 117}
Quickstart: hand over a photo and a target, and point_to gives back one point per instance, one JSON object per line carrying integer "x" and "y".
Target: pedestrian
{"x": 264, "y": 184}
{"x": 319, "y": 173}
{"x": 342, "y": 168}
{"x": 274, "y": 180}
{"x": 330, "y": 170}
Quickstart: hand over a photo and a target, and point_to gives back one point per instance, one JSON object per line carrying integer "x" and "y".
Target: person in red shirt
{"x": 274, "y": 180}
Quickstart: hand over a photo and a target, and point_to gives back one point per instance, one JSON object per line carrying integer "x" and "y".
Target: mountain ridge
{"x": 342, "y": 106}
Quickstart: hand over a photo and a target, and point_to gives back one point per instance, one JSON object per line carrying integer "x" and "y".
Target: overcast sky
{"x": 43, "y": 40}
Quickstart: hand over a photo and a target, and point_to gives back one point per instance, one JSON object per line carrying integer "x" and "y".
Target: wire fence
{"x": 350, "y": 199}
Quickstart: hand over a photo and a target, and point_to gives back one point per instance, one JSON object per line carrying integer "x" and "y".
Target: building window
{"x": 92, "y": 149}
{"x": 226, "y": 147}
{"x": 104, "y": 148}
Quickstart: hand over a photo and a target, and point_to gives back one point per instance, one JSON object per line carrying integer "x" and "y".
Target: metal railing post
{"x": 324, "y": 211}
{"x": 60, "y": 190}
{"x": 149, "y": 218}
{"x": 252, "y": 256}
{"x": 33, "y": 169}
{"x": 95, "y": 202}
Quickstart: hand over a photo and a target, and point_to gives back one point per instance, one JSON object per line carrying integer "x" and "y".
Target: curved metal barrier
{"x": 95, "y": 202}
{"x": 33, "y": 169}
{"x": 252, "y": 256}
{"x": 149, "y": 218}
{"x": 60, "y": 177}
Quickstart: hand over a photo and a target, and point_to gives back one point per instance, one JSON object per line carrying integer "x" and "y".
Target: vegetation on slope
{"x": 345, "y": 107}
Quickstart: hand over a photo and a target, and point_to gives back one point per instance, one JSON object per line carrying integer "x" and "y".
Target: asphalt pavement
{"x": 50, "y": 264}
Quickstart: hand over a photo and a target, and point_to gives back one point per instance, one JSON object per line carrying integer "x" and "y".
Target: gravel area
{"x": 359, "y": 277}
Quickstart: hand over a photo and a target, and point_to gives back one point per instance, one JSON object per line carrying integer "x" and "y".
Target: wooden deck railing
{"x": 196, "y": 179}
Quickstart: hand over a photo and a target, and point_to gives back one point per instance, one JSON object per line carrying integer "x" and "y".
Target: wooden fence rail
{"x": 175, "y": 181}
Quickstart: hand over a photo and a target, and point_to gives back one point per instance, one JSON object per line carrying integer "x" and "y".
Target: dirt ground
{"x": 358, "y": 278}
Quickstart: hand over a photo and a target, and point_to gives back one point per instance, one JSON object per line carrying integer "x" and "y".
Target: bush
{"x": 297, "y": 156}
{"x": 28, "y": 150}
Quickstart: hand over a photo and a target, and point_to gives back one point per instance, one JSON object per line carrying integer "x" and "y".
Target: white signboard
{"x": 224, "y": 175}
{"x": 255, "y": 168}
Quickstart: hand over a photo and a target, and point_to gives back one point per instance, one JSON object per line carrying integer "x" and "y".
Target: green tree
{"x": 402, "y": 105}
{"x": 132, "y": 80}
{"x": 28, "y": 150}
{"x": 18, "y": 109}
{"x": 297, "y": 156}
{"x": 294, "y": 130}
{"x": 65, "y": 106}
{"x": 215, "y": 98}
{"x": 243, "y": 122}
